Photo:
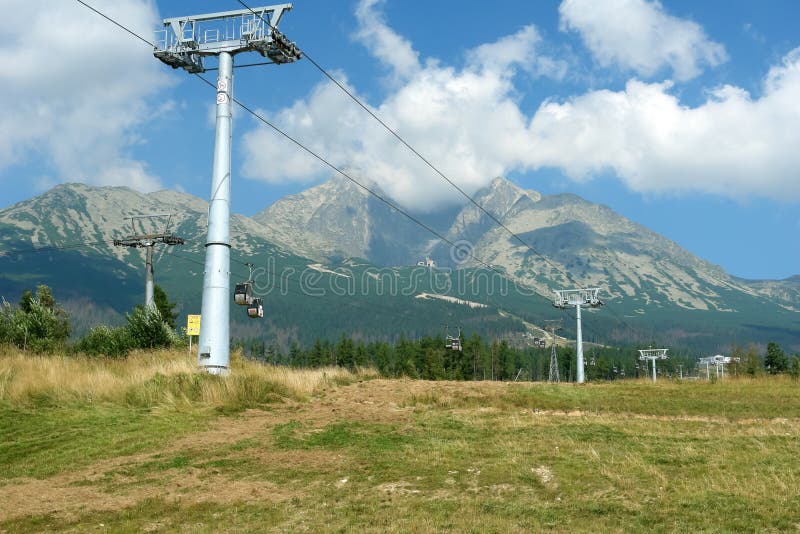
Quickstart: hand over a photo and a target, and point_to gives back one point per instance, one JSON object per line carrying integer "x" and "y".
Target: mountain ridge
{"x": 643, "y": 275}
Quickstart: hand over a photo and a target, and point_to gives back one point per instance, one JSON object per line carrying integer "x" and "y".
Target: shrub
{"x": 144, "y": 330}
{"x": 38, "y": 323}
{"x": 147, "y": 330}
{"x": 104, "y": 340}
{"x": 794, "y": 368}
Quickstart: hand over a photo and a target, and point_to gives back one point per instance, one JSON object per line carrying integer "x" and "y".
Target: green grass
{"x": 42, "y": 442}
{"x": 734, "y": 399}
{"x": 430, "y": 457}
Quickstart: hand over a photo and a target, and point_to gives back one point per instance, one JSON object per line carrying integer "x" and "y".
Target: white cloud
{"x": 640, "y": 36}
{"x": 395, "y": 51}
{"x": 468, "y": 122}
{"x": 732, "y": 145}
{"x": 75, "y": 88}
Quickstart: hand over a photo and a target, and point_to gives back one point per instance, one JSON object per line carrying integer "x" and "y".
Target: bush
{"x": 104, "y": 340}
{"x": 794, "y": 368}
{"x": 144, "y": 330}
{"x": 147, "y": 330}
{"x": 38, "y": 323}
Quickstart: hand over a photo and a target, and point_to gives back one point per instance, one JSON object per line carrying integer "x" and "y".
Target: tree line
{"x": 38, "y": 323}
{"x": 428, "y": 358}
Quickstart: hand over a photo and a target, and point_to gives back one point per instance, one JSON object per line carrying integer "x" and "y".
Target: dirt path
{"x": 70, "y": 494}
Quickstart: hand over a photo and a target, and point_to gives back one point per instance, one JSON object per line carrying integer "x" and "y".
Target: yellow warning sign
{"x": 193, "y": 325}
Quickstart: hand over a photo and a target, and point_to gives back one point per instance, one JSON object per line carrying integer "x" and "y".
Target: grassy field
{"x": 147, "y": 445}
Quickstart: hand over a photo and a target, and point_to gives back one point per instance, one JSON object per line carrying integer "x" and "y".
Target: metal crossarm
{"x": 183, "y": 42}
{"x": 653, "y": 354}
{"x": 147, "y": 241}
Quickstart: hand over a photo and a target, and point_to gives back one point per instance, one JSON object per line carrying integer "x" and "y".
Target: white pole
{"x": 654, "y": 370}
{"x": 580, "y": 377}
{"x": 214, "y": 345}
{"x": 149, "y": 300}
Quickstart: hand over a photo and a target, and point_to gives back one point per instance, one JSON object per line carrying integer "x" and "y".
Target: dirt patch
{"x": 113, "y": 484}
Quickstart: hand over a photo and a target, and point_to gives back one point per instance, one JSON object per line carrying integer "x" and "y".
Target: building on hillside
{"x": 427, "y": 262}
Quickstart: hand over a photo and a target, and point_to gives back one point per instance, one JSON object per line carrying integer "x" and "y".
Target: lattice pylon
{"x": 552, "y": 326}
{"x": 553, "y": 364}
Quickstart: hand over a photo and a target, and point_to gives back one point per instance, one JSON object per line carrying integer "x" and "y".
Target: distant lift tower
{"x": 185, "y": 42}
{"x": 579, "y": 298}
{"x": 147, "y": 241}
{"x": 653, "y": 354}
{"x": 552, "y": 326}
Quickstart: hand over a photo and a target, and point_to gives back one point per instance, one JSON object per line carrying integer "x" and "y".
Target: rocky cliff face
{"x": 338, "y": 219}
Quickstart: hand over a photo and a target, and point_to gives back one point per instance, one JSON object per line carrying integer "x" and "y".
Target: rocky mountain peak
{"x": 498, "y": 198}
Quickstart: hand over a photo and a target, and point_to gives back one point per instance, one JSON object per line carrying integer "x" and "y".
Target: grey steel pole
{"x": 580, "y": 377}
{"x": 654, "y": 370}
{"x": 213, "y": 353}
{"x": 149, "y": 301}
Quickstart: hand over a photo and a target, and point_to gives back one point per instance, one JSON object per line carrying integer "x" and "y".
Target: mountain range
{"x": 361, "y": 256}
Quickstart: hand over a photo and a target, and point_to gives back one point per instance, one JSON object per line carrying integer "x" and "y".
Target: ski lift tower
{"x": 185, "y": 42}
{"x": 580, "y": 298}
{"x": 552, "y": 326}
{"x": 653, "y": 354}
{"x": 147, "y": 241}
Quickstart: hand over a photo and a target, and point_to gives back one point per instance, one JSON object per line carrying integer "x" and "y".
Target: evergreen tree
{"x": 165, "y": 307}
{"x": 295, "y": 355}
{"x": 345, "y": 352}
{"x": 317, "y": 356}
{"x": 775, "y": 361}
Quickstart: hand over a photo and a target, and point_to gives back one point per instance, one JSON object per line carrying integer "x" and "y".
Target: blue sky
{"x": 683, "y": 116}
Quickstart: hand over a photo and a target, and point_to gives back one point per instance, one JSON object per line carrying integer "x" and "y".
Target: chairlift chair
{"x": 255, "y": 310}
{"x": 243, "y": 294}
{"x": 452, "y": 342}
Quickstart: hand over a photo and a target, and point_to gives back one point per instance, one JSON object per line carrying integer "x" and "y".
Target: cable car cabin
{"x": 243, "y": 294}
{"x": 255, "y": 310}
{"x": 455, "y": 344}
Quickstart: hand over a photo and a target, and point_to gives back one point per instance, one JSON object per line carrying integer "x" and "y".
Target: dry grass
{"x": 388, "y": 455}
{"x": 152, "y": 378}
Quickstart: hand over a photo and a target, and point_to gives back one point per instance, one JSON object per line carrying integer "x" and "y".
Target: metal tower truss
{"x": 185, "y": 41}
{"x": 653, "y": 354}
{"x": 580, "y": 298}
{"x": 552, "y": 326}
{"x": 147, "y": 241}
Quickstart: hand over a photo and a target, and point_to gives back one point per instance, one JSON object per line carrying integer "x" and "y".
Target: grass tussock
{"x": 154, "y": 378}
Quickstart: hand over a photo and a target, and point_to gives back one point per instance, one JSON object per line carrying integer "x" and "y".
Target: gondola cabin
{"x": 255, "y": 310}
{"x": 243, "y": 293}
{"x": 455, "y": 344}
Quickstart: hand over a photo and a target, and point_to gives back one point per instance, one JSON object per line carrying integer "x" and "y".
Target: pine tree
{"x": 165, "y": 307}
{"x": 775, "y": 361}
